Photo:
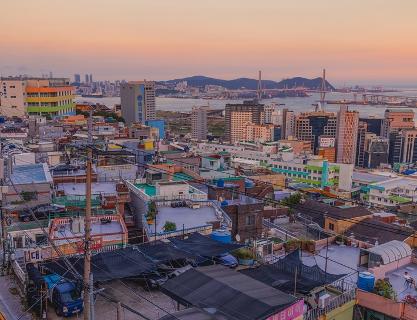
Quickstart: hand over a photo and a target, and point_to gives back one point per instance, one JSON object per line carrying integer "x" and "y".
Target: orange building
{"x": 328, "y": 153}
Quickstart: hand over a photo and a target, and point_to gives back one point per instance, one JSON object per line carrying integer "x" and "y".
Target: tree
{"x": 292, "y": 200}
{"x": 170, "y": 226}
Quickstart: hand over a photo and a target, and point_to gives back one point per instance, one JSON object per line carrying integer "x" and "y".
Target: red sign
{"x": 291, "y": 313}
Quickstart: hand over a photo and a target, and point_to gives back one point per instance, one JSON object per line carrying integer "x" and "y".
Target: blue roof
{"x": 31, "y": 173}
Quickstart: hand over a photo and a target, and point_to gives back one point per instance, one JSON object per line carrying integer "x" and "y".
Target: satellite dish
{"x": 237, "y": 237}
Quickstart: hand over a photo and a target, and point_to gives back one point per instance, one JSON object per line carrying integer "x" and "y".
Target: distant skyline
{"x": 368, "y": 42}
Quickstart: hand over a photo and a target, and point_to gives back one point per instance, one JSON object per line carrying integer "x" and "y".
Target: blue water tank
{"x": 366, "y": 281}
{"x": 224, "y": 203}
{"x": 220, "y": 183}
{"x": 2, "y": 119}
{"x": 249, "y": 183}
{"x": 222, "y": 235}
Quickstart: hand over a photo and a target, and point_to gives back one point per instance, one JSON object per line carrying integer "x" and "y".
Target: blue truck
{"x": 64, "y": 295}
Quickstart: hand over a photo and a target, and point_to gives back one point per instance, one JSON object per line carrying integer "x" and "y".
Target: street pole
{"x": 325, "y": 267}
{"x": 91, "y": 292}
{"x": 87, "y": 241}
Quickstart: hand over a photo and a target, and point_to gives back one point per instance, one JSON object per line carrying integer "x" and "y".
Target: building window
{"x": 250, "y": 220}
{"x": 331, "y": 226}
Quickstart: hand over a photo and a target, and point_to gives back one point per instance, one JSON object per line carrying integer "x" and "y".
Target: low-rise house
{"x": 30, "y": 184}
{"x": 392, "y": 193}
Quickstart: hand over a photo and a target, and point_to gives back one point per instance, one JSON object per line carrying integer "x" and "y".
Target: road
{"x": 10, "y": 304}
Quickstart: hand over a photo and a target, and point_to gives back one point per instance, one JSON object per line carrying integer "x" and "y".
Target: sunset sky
{"x": 357, "y": 41}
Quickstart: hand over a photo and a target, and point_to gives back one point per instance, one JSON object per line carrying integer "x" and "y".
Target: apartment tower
{"x": 138, "y": 101}
{"x": 347, "y": 135}
{"x": 237, "y": 116}
{"x": 199, "y": 123}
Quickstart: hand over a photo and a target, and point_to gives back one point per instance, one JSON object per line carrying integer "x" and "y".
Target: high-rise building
{"x": 77, "y": 78}
{"x": 137, "y": 101}
{"x": 347, "y": 135}
{"x": 288, "y": 123}
{"x": 268, "y": 113}
{"x": 90, "y": 78}
{"x": 238, "y": 115}
{"x": 310, "y": 126}
{"x": 360, "y": 145}
{"x": 374, "y": 125}
{"x": 87, "y": 79}
{"x": 403, "y": 146}
{"x": 376, "y": 152}
{"x": 199, "y": 123}
{"x": 259, "y": 132}
{"x": 397, "y": 119}
{"x": 52, "y": 97}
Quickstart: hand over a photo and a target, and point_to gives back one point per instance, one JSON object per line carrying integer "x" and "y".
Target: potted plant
{"x": 170, "y": 226}
{"x": 245, "y": 256}
{"x": 152, "y": 212}
{"x": 340, "y": 240}
{"x": 308, "y": 245}
{"x": 292, "y": 245}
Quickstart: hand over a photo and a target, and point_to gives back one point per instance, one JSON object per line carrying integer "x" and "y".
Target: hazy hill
{"x": 201, "y": 81}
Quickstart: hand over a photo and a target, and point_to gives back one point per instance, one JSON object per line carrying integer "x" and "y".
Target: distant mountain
{"x": 201, "y": 81}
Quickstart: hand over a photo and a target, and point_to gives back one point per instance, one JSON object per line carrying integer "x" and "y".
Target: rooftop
{"x": 31, "y": 173}
{"x": 111, "y": 230}
{"x": 96, "y": 188}
{"x": 397, "y": 280}
{"x": 397, "y": 182}
{"x": 341, "y": 260}
{"x": 369, "y": 177}
{"x": 184, "y": 217}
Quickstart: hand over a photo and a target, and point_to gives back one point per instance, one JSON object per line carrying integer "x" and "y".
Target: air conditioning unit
{"x": 324, "y": 300}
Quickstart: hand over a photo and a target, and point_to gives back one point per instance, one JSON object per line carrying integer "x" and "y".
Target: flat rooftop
{"x": 190, "y": 218}
{"x": 341, "y": 260}
{"x": 397, "y": 280}
{"x": 369, "y": 177}
{"x": 398, "y": 182}
{"x": 112, "y": 231}
{"x": 31, "y": 173}
{"x": 96, "y": 188}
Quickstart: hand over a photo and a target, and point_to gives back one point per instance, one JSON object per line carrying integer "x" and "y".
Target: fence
{"x": 333, "y": 304}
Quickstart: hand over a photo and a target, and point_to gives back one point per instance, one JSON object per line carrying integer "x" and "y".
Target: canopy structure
{"x": 161, "y": 252}
{"x": 204, "y": 246}
{"x": 105, "y": 266}
{"x": 227, "y": 292}
{"x": 390, "y": 252}
{"x": 281, "y": 275}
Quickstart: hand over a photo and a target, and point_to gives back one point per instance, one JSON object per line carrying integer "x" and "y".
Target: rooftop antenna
{"x": 259, "y": 90}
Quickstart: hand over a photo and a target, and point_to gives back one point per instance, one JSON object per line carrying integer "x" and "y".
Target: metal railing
{"x": 334, "y": 303}
{"x": 285, "y": 234}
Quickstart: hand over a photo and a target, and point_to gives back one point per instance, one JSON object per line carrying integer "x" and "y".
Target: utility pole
{"x": 87, "y": 230}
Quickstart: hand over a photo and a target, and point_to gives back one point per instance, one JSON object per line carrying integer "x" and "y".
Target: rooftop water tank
{"x": 224, "y": 203}
{"x": 222, "y": 235}
{"x": 366, "y": 281}
{"x": 249, "y": 183}
{"x": 220, "y": 183}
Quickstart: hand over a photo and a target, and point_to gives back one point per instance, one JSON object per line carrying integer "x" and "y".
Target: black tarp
{"x": 281, "y": 274}
{"x": 117, "y": 264}
{"x": 204, "y": 246}
{"x": 161, "y": 252}
{"x": 227, "y": 291}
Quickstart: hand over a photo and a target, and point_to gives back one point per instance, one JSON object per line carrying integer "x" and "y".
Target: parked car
{"x": 227, "y": 260}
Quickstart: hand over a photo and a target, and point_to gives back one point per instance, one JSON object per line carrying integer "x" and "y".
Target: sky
{"x": 357, "y": 41}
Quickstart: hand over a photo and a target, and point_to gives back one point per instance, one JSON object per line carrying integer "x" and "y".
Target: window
{"x": 331, "y": 226}
{"x": 250, "y": 220}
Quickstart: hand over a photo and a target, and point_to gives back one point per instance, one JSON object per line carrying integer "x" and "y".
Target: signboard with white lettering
{"x": 294, "y": 312}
